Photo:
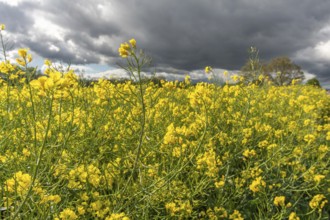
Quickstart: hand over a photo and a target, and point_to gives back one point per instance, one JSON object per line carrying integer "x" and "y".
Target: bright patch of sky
{"x": 17, "y": 2}
{"x": 46, "y": 27}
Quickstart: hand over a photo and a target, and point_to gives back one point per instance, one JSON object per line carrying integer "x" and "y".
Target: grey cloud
{"x": 15, "y": 19}
{"x": 82, "y": 17}
{"x": 322, "y": 70}
{"x": 63, "y": 55}
{"x": 219, "y": 33}
{"x": 187, "y": 35}
{"x": 191, "y": 35}
{"x": 88, "y": 43}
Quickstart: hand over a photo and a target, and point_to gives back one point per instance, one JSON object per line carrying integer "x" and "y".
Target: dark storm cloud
{"x": 321, "y": 69}
{"x": 63, "y": 54}
{"x": 187, "y": 34}
{"x": 81, "y": 16}
{"x": 190, "y": 34}
{"x": 323, "y": 74}
{"x": 82, "y": 25}
{"x": 87, "y": 42}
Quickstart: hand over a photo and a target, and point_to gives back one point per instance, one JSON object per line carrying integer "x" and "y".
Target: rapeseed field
{"x": 139, "y": 150}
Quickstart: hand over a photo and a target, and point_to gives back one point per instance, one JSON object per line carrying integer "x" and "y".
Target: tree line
{"x": 280, "y": 70}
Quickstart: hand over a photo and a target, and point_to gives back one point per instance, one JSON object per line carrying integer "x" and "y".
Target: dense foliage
{"x": 279, "y": 70}
{"x": 140, "y": 151}
{"x": 313, "y": 82}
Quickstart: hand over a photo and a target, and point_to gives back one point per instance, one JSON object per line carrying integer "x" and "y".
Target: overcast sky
{"x": 181, "y": 35}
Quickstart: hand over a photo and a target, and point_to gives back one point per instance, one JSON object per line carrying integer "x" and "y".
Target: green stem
{"x": 143, "y": 120}
{"x": 37, "y": 162}
{"x": 3, "y": 47}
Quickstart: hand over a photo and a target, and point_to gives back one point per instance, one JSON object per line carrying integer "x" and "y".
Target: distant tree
{"x": 313, "y": 82}
{"x": 282, "y": 71}
{"x": 253, "y": 68}
{"x": 157, "y": 80}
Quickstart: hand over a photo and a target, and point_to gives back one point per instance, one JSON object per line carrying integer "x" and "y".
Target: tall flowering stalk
{"x": 23, "y": 60}
{"x": 214, "y": 78}
{"x": 135, "y": 61}
{"x": 2, "y": 28}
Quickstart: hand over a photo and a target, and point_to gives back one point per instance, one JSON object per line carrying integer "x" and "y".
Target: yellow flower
{"x": 210, "y": 161}
{"x": 261, "y": 77}
{"x": 3, "y": 159}
{"x": 293, "y": 216}
{"x": 318, "y": 202}
{"x": 51, "y": 198}
{"x": 20, "y": 61}
{"x": 187, "y": 79}
{"x": 124, "y": 49}
{"x": 219, "y": 184}
{"x": 263, "y": 144}
{"x": 182, "y": 207}
{"x": 279, "y": 201}
{"x": 125, "y": 46}
{"x": 132, "y": 42}
{"x": 208, "y": 69}
{"x": 171, "y": 207}
{"x": 295, "y": 81}
{"x": 29, "y": 58}
{"x": 2, "y": 27}
{"x": 81, "y": 210}
{"x": 96, "y": 205}
{"x": 13, "y": 76}
{"x": 119, "y": 216}
{"x": 48, "y": 62}
{"x": 68, "y": 214}
{"x": 220, "y": 212}
{"x": 318, "y": 178}
{"x": 249, "y": 153}
{"x": 22, "y": 52}
{"x": 56, "y": 198}
{"x": 323, "y": 149}
{"x": 257, "y": 184}
{"x": 236, "y": 215}
{"x": 26, "y": 152}
{"x": 6, "y": 67}
{"x": 309, "y": 138}
{"x": 122, "y": 52}
{"x": 186, "y": 207}
{"x": 20, "y": 183}
{"x": 235, "y": 78}
{"x": 84, "y": 197}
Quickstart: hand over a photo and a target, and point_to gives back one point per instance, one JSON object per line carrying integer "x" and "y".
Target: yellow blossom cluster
{"x": 68, "y": 214}
{"x": 216, "y": 213}
{"x": 279, "y": 201}
{"x": 20, "y": 183}
{"x": 318, "y": 202}
{"x": 257, "y": 185}
{"x": 71, "y": 150}
{"x": 179, "y": 208}
{"x": 293, "y": 216}
{"x": 208, "y": 69}
{"x": 125, "y": 49}
{"x": 6, "y": 67}
{"x": 117, "y": 216}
